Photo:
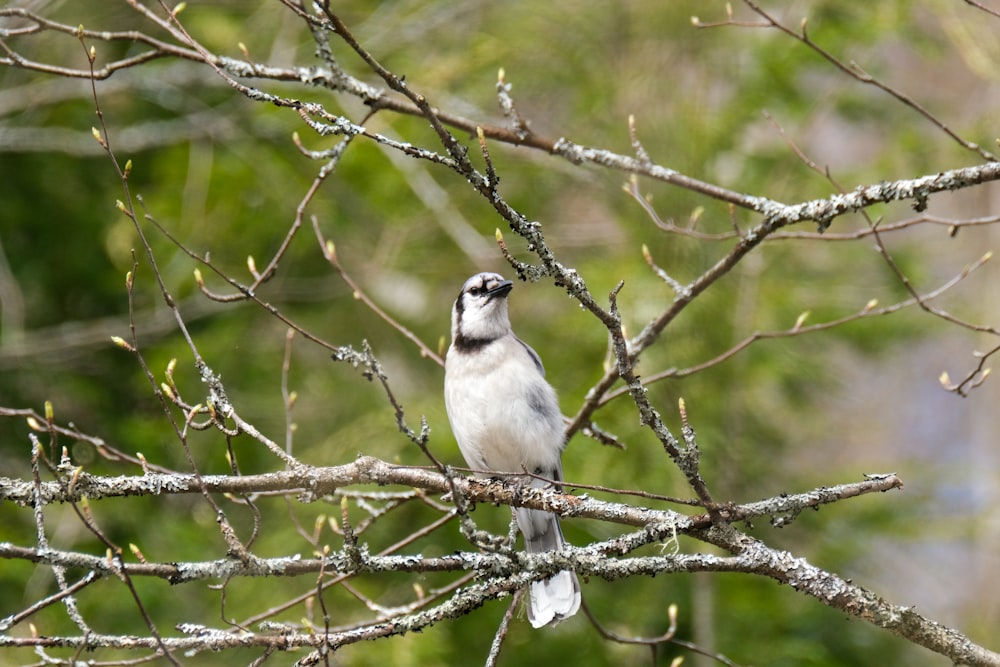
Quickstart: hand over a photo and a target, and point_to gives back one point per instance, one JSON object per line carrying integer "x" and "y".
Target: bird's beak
{"x": 502, "y": 289}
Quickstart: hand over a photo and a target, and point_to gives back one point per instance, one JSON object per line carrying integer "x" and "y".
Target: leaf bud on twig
{"x": 122, "y": 343}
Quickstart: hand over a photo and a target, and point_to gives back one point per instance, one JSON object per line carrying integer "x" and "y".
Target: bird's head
{"x": 479, "y": 315}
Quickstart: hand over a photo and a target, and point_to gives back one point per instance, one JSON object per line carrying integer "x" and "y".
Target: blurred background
{"x": 721, "y": 104}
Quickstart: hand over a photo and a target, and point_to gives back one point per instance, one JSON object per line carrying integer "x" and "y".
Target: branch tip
{"x": 800, "y": 320}
{"x": 122, "y": 343}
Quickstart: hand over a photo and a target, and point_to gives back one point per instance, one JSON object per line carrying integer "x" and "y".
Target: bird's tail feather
{"x": 558, "y": 597}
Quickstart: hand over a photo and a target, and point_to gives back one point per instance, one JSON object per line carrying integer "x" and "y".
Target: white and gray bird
{"x": 506, "y": 418}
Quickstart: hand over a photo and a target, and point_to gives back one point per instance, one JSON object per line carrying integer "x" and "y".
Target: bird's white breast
{"x": 504, "y": 414}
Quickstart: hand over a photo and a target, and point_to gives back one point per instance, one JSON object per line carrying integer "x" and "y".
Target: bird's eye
{"x": 477, "y": 290}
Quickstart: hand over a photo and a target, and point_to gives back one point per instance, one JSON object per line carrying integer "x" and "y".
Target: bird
{"x": 506, "y": 418}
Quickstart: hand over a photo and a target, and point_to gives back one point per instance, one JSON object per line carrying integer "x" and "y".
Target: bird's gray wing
{"x": 534, "y": 356}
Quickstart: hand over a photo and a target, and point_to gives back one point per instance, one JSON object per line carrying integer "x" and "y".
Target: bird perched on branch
{"x": 506, "y": 418}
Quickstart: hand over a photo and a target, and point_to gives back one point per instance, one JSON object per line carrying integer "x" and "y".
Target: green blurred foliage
{"x": 222, "y": 175}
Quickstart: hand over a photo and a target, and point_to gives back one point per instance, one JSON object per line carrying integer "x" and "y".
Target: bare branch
{"x": 340, "y": 558}
{"x": 856, "y": 72}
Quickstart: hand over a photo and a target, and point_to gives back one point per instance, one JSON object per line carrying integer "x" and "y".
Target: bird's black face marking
{"x": 487, "y": 285}
{"x": 464, "y": 343}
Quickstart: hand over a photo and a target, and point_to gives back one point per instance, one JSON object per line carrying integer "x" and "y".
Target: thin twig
{"x": 856, "y": 72}
{"x": 501, "y": 634}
